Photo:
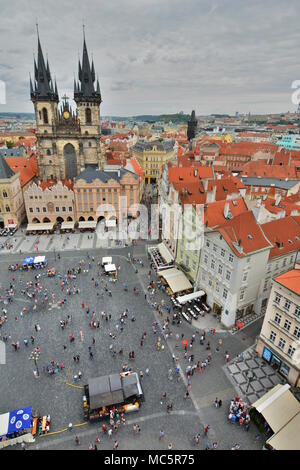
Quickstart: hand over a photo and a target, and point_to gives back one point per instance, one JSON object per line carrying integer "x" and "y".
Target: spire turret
{"x": 85, "y": 90}
{"x": 43, "y": 86}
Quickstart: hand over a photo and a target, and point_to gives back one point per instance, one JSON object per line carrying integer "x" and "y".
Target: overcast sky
{"x": 159, "y": 56}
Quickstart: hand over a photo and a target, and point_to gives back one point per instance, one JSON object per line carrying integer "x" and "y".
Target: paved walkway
{"x": 262, "y": 376}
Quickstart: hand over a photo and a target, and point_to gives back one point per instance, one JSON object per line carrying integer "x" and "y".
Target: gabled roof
{"x": 244, "y": 235}
{"x": 290, "y": 280}
{"x": 5, "y": 170}
{"x": 284, "y": 234}
{"x": 26, "y": 166}
{"x": 214, "y": 211}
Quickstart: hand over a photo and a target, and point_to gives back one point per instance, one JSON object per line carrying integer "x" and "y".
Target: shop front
{"x": 275, "y": 362}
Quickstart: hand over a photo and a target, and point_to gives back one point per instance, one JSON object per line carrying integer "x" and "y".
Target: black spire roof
{"x": 192, "y": 126}
{"x": 5, "y": 171}
{"x": 43, "y": 86}
{"x": 84, "y": 89}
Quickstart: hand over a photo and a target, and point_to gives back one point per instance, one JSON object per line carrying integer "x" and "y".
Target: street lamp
{"x": 250, "y": 375}
{"x": 34, "y": 356}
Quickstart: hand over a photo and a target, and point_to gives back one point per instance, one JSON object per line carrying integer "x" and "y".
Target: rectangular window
{"x": 225, "y": 293}
{"x": 220, "y": 269}
{"x": 38, "y": 209}
{"x": 205, "y": 259}
{"x": 277, "y": 318}
{"x": 297, "y": 311}
{"x": 70, "y": 209}
{"x": 44, "y": 209}
{"x": 277, "y": 298}
{"x": 291, "y": 351}
{"x": 30, "y": 209}
{"x": 287, "y": 304}
{"x": 57, "y": 209}
{"x": 207, "y": 244}
{"x": 281, "y": 343}
{"x": 215, "y": 248}
{"x": 297, "y": 332}
{"x": 287, "y": 325}
{"x": 212, "y": 264}
{"x": 273, "y": 336}
{"x": 245, "y": 275}
{"x": 223, "y": 252}
{"x": 231, "y": 258}
{"x": 228, "y": 275}
{"x": 64, "y": 209}
{"x": 242, "y": 294}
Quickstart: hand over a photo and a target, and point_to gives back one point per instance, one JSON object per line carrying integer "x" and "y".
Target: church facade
{"x": 67, "y": 141}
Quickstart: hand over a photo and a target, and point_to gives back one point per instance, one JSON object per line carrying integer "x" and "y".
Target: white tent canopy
{"x": 176, "y": 279}
{"x": 111, "y": 223}
{"x": 87, "y": 224}
{"x": 165, "y": 253}
{"x": 110, "y": 268}
{"x": 4, "y": 424}
{"x": 45, "y": 226}
{"x": 107, "y": 260}
{"x": 67, "y": 225}
{"x": 194, "y": 295}
{"x": 39, "y": 259}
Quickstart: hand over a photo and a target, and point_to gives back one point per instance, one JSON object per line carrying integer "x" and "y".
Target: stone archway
{"x": 70, "y": 161}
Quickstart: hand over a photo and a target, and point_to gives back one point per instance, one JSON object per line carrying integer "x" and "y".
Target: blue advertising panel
{"x": 267, "y": 354}
{"x": 19, "y": 420}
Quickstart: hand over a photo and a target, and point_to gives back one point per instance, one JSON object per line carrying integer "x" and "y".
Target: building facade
{"x": 98, "y": 193}
{"x": 49, "y": 201}
{"x": 279, "y": 340}
{"x": 67, "y": 141}
{"x": 12, "y": 209}
{"x": 152, "y": 156}
{"x": 232, "y": 262}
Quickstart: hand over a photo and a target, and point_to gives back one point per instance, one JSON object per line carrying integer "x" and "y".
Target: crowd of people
{"x": 165, "y": 326}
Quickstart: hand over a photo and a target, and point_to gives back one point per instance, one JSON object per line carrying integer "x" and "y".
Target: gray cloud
{"x": 156, "y": 56}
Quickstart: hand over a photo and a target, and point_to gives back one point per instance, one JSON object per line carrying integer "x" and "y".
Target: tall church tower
{"x": 44, "y": 96}
{"x": 87, "y": 96}
{"x": 192, "y": 126}
{"x": 67, "y": 141}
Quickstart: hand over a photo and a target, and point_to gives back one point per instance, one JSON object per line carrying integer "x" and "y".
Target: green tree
{"x": 9, "y": 144}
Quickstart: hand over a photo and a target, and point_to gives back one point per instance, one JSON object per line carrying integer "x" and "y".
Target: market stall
{"x": 40, "y": 262}
{"x": 15, "y": 427}
{"x": 176, "y": 280}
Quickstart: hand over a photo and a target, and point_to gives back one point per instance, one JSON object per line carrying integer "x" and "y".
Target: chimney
{"x": 195, "y": 172}
{"x": 277, "y": 199}
{"x": 226, "y": 209}
{"x": 205, "y": 184}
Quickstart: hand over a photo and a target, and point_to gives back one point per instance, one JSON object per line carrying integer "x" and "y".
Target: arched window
{"x": 5, "y": 194}
{"x": 48, "y": 152}
{"x": 7, "y": 208}
{"x": 45, "y": 116}
{"x": 88, "y": 116}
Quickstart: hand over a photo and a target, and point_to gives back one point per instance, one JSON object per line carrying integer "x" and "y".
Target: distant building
{"x": 279, "y": 340}
{"x": 152, "y": 156}
{"x": 12, "y": 210}
{"x": 192, "y": 126}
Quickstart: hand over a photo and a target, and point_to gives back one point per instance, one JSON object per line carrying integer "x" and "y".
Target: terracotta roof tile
{"x": 290, "y": 280}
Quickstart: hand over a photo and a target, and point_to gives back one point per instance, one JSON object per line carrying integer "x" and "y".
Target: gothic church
{"x": 67, "y": 141}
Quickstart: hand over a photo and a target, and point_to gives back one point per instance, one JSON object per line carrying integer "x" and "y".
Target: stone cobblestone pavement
{"x": 51, "y": 394}
{"x": 264, "y": 376}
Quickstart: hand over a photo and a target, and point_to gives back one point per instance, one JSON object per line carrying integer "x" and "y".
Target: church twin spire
{"x": 84, "y": 88}
{"x": 42, "y": 88}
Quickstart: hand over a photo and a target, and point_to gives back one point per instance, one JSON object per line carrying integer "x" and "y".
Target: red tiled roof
{"x": 290, "y": 280}
{"x": 284, "y": 234}
{"x": 259, "y": 168}
{"x": 214, "y": 211}
{"x": 189, "y": 174}
{"x": 226, "y": 186}
{"x": 26, "y": 166}
{"x": 47, "y": 184}
{"x": 244, "y": 235}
